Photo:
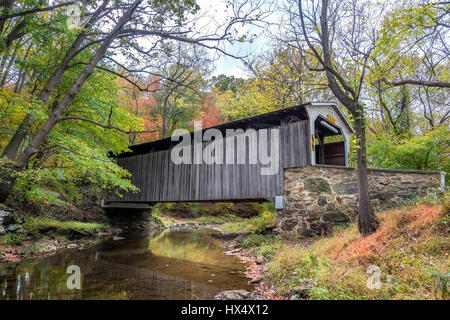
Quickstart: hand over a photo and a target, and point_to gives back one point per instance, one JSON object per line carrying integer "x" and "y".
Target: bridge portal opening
{"x": 329, "y": 143}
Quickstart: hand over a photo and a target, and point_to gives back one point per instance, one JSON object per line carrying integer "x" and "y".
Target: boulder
{"x": 7, "y": 217}
{"x": 2, "y": 230}
{"x": 14, "y": 228}
{"x": 77, "y": 234}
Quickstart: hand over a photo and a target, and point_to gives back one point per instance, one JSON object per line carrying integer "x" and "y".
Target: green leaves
{"x": 76, "y": 152}
{"x": 423, "y": 152}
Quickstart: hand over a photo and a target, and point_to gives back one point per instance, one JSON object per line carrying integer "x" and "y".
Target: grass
{"x": 164, "y": 221}
{"x": 36, "y": 225}
{"x": 160, "y": 218}
{"x": 264, "y": 246}
{"x": 30, "y": 249}
{"x": 410, "y": 249}
{"x": 11, "y": 239}
{"x": 228, "y": 222}
{"x": 33, "y": 227}
{"x": 167, "y": 221}
{"x": 215, "y": 213}
{"x": 221, "y": 219}
{"x": 256, "y": 223}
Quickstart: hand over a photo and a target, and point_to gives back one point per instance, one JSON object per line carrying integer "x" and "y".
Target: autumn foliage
{"x": 408, "y": 223}
{"x": 410, "y": 250}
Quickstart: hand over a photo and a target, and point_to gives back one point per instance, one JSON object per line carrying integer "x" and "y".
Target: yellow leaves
{"x": 13, "y": 108}
{"x": 266, "y": 214}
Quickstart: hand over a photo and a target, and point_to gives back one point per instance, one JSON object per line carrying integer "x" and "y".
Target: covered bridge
{"x": 298, "y": 135}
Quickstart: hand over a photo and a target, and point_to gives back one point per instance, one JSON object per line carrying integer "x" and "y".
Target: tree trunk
{"x": 367, "y": 223}
{"x": 4, "y": 59}
{"x": 8, "y": 68}
{"x": 8, "y": 176}
{"x": 5, "y": 6}
{"x": 13, "y": 146}
{"x": 21, "y": 83}
{"x": 22, "y": 72}
{"x": 164, "y": 119}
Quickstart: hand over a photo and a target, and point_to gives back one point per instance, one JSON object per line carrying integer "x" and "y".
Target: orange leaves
{"x": 363, "y": 250}
{"x": 401, "y": 225}
{"x": 212, "y": 117}
{"x": 423, "y": 217}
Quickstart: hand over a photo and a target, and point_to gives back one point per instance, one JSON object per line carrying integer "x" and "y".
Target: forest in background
{"x": 71, "y": 93}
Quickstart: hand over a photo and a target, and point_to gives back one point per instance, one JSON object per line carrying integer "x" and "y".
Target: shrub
{"x": 262, "y": 221}
{"x": 252, "y": 240}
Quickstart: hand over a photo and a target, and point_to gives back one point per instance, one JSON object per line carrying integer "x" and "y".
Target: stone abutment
{"x": 316, "y": 198}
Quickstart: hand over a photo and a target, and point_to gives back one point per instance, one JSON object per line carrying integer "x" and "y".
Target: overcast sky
{"x": 227, "y": 65}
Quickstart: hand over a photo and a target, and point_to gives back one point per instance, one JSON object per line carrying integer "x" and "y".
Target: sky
{"x": 228, "y": 65}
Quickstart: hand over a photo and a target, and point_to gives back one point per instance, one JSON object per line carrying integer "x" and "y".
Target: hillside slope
{"x": 408, "y": 254}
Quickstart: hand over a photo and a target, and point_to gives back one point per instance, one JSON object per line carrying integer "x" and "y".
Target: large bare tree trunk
{"x": 9, "y": 178}
{"x": 367, "y": 223}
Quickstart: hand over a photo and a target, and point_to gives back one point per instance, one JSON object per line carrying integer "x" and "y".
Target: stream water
{"x": 170, "y": 264}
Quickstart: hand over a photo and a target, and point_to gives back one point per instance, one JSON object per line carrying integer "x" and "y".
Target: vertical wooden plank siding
{"x": 160, "y": 180}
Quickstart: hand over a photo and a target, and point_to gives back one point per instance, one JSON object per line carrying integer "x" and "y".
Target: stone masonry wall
{"x": 318, "y": 197}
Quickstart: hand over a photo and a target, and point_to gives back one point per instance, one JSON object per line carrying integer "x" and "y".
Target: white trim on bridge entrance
{"x": 330, "y": 111}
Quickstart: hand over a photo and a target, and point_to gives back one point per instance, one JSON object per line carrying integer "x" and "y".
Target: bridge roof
{"x": 264, "y": 120}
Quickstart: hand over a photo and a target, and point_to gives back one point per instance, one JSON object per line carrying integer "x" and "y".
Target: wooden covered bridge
{"x": 302, "y": 139}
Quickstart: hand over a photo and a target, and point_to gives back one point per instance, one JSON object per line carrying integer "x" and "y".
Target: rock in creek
{"x": 231, "y": 252}
{"x": 255, "y": 280}
{"x": 238, "y": 295}
{"x": 78, "y": 234}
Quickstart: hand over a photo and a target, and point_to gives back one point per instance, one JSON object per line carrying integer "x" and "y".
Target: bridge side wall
{"x": 318, "y": 197}
{"x": 160, "y": 180}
